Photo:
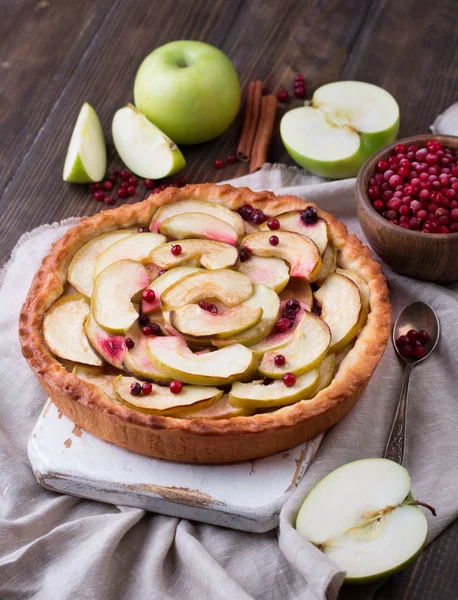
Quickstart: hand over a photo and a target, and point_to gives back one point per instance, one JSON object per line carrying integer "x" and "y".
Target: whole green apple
{"x": 190, "y": 90}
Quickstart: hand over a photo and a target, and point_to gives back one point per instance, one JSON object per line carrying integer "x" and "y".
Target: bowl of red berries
{"x": 407, "y": 199}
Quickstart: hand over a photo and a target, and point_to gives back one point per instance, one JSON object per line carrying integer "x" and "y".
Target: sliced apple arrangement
{"x": 169, "y": 319}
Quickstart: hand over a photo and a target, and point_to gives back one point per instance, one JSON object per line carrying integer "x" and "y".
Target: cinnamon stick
{"x": 253, "y": 106}
{"x": 263, "y": 132}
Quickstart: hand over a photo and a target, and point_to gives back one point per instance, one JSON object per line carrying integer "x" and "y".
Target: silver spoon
{"x": 415, "y": 316}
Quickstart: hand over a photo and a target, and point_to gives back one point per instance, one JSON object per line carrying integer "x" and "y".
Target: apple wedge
{"x": 112, "y": 348}
{"x": 270, "y": 271}
{"x": 137, "y": 247}
{"x": 304, "y": 352}
{"x": 97, "y": 377}
{"x": 143, "y": 147}
{"x": 86, "y": 159}
{"x": 362, "y": 516}
{"x": 299, "y": 251}
{"x": 63, "y": 330}
{"x": 298, "y": 289}
{"x": 210, "y": 254}
{"x": 162, "y": 283}
{"x": 292, "y": 221}
{"x": 81, "y": 269}
{"x": 221, "y": 409}
{"x": 197, "y": 225}
{"x": 268, "y": 301}
{"x": 362, "y": 286}
{"x": 222, "y": 367}
{"x": 328, "y": 264}
{"x": 198, "y": 206}
{"x": 231, "y": 287}
{"x": 114, "y": 289}
{"x": 341, "y": 308}
{"x": 161, "y": 401}
{"x": 256, "y": 395}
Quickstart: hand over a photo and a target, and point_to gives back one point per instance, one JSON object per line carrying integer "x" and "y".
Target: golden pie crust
{"x": 203, "y": 440}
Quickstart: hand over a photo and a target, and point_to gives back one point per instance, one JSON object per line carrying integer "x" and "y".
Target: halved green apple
{"x": 298, "y": 289}
{"x": 270, "y": 271}
{"x": 110, "y": 347}
{"x": 362, "y": 285}
{"x": 304, "y": 352}
{"x": 96, "y": 376}
{"x": 341, "y": 308}
{"x": 221, "y": 409}
{"x": 299, "y": 251}
{"x": 198, "y": 206}
{"x": 231, "y": 287}
{"x": 143, "y": 147}
{"x": 210, "y": 254}
{"x": 173, "y": 357}
{"x": 137, "y": 247}
{"x": 328, "y": 263}
{"x": 161, "y": 401}
{"x": 291, "y": 221}
{"x": 81, "y": 269}
{"x": 268, "y": 301}
{"x": 162, "y": 283}
{"x": 63, "y": 330}
{"x": 114, "y": 290}
{"x": 197, "y": 225}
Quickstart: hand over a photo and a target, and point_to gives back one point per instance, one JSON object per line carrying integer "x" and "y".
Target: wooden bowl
{"x": 433, "y": 257}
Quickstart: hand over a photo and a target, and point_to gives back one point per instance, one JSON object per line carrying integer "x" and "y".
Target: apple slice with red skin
{"x": 197, "y": 225}
{"x": 109, "y": 346}
{"x": 291, "y": 221}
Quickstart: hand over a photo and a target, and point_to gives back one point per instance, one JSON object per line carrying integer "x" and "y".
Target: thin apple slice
{"x": 114, "y": 289}
{"x": 173, "y": 357}
{"x": 161, "y": 401}
{"x": 341, "y": 308}
{"x": 256, "y": 395}
{"x": 210, "y": 254}
{"x": 96, "y": 376}
{"x": 198, "y": 206}
{"x": 222, "y": 409}
{"x": 326, "y": 371}
{"x": 143, "y": 147}
{"x": 270, "y": 271}
{"x": 81, "y": 269}
{"x": 138, "y": 363}
{"x": 268, "y": 301}
{"x": 86, "y": 159}
{"x": 328, "y": 264}
{"x": 110, "y": 347}
{"x": 299, "y": 251}
{"x": 162, "y": 283}
{"x": 304, "y": 352}
{"x": 63, "y": 330}
{"x": 231, "y": 287}
{"x": 197, "y": 225}
{"x": 292, "y": 221}
{"x": 137, "y": 247}
{"x": 362, "y": 285}
{"x": 298, "y": 289}
{"x": 192, "y": 320}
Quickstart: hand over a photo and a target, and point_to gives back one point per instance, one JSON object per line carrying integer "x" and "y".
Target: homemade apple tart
{"x": 207, "y": 323}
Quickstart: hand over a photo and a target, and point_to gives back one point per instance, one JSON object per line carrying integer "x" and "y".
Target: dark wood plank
{"x": 41, "y": 42}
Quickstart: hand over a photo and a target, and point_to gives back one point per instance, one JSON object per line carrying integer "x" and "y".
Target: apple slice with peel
{"x": 143, "y": 147}
{"x": 304, "y": 352}
{"x": 210, "y": 254}
{"x": 326, "y": 371}
{"x": 298, "y": 289}
{"x": 174, "y": 358}
{"x": 362, "y": 285}
{"x": 299, "y": 251}
{"x": 86, "y": 159}
{"x": 231, "y": 287}
{"x": 161, "y": 401}
{"x": 346, "y": 122}
{"x": 81, "y": 269}
{"x": 328, "y": 263}
{"x": 256, "y": 395}
{"x": 138, "y": 363}
{"x": 363, "y": 518}
{"x": 221, "y": 409}
{"x": 114, "y": 289}
{"x": 110, "y": 347}
{"x": 136, "y": 247}
{"x": 278, "y": 339}
{"x": 292, "y": 221}
{"x": 270, "y": 271}
{"x": 341, "y": 308}
{"x": 163, "y": 282}
{"x": 198, "y": 225}
{"x": 192, "y": 320}
{"x": 63, "y": 330}
{"x": 198, "y": 206}
{"x": 96, "y": 376}
{"x": 268, "y": 301}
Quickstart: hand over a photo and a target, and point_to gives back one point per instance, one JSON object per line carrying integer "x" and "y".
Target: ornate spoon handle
{"x": 396, "y": 442}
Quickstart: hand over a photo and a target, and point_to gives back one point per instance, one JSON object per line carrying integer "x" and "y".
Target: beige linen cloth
{"x": 56, "y": 547}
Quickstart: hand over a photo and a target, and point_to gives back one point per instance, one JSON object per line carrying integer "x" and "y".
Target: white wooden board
{"x": 246, "y": 495}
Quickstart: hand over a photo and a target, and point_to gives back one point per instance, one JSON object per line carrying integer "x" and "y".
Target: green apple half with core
{"x": 346, "y": 122}
{"x": 189, "y": 89}
{"x": 86, "y": 159}
{"x": 363, "y": 518}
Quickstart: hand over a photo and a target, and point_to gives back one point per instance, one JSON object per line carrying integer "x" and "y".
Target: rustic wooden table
{"x": 55, "y": 55}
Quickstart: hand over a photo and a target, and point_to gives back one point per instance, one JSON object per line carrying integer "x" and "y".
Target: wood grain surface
{"x": 55, "y": 55}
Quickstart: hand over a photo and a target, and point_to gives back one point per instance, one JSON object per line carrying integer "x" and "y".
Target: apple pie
{"x": 207, "y": 323}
